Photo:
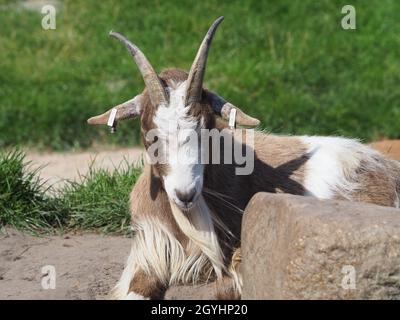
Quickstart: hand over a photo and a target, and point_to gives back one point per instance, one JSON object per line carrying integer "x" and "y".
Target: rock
{"x": 302, "y": 248}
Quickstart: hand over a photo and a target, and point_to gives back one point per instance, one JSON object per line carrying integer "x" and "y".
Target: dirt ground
{"x": 87, "y": 265}
{"x": 56, "y": 168}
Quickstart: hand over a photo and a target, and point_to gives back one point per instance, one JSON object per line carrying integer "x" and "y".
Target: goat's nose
{"x": 186, "y": 196}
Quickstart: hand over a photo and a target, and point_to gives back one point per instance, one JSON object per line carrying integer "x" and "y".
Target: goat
{"x": 187, "y": 217}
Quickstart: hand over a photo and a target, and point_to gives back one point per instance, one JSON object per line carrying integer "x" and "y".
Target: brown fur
{"x": 148, "y": 199}
{"x": 279, "y": 168}
{"x": 226, "y": 287}
{"x": 380, "y": 186}
{"x": 147, "y": 286}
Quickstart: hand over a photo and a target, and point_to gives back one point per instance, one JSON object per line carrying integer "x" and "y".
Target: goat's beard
{"x": 197, "y": 224}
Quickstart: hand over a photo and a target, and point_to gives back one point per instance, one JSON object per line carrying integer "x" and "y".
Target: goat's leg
{"x": 147, "y": 271}
{"x": 155, "y": 244}
{"x": 230, "y": 286}
{"x": 145, "y": 286}
{"x": 226, "y": 289}
{"x": 136, "y": 284}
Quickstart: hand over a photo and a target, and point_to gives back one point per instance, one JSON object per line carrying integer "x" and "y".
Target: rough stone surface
{"x": 302, "y": 248}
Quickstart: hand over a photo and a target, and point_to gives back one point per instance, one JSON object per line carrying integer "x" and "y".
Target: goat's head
{"x": 173, "y": 109}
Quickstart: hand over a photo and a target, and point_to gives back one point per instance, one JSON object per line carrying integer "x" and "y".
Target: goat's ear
{"x": 129, "y": 109}
{"x": 223, "y": 108}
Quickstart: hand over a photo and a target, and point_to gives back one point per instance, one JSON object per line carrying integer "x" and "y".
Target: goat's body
{"x": 324, "y": 167}
{"x": 187, "y": 215}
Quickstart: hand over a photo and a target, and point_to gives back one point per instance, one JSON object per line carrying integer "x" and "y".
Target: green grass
{"x": 288, "y": 62}
{"x": 101, "y": 200}
{"x": 98, "y": 202}
{"x": 23, "y": 203}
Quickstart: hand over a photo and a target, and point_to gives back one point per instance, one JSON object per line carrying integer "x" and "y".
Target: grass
{"x": 98, "y": 202}
{"x": 101, "y": 200}
{"x": 23, "y": 203}
{"x": 287, "y": 62}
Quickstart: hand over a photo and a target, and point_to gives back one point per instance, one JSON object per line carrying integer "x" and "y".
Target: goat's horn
{"x": 126, "y": 110}
{"x": 223, "y": 108}
{"x": 150, "y": 77}
{"x": 196, "y": 74}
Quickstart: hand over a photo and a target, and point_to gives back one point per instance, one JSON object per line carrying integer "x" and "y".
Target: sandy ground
{"x": 56, "y": 168}
{"x": 87, "y": 265}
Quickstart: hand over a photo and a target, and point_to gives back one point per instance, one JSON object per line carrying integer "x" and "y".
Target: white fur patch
{"x": 331, "y": 169}
{"x": 121, "y": 289}
{"x": 198, "y": 226}
{"x": 178, "y": 134}
{"x": 157, "y": 252}
{"x": 174, "y": 116}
